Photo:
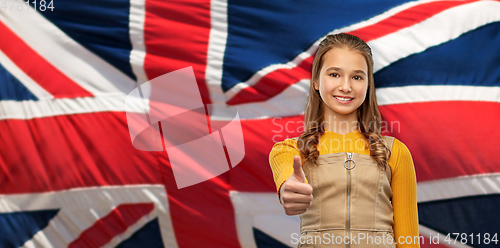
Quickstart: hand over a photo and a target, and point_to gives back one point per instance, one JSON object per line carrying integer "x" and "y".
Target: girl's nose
{"x": 346, "y": 85}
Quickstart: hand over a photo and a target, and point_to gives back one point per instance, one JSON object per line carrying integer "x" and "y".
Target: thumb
{"x": 297, "y": 169}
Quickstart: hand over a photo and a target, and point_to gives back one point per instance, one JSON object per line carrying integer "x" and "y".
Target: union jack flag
{"x": 71, "y": 177}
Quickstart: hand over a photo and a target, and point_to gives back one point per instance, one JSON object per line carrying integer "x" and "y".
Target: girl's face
{"x": 343, "y": 75}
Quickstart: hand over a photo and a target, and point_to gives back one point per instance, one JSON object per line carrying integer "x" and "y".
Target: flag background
{"x": 70, "y": 176}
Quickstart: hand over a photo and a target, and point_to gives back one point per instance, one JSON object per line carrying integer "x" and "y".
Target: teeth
{"x": 343, "y": 99}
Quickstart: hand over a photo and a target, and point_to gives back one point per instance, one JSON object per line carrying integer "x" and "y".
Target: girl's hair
{"x": 369, "y": 118}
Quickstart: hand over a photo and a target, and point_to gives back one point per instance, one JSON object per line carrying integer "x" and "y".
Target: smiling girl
{"x": 341, "y": 176}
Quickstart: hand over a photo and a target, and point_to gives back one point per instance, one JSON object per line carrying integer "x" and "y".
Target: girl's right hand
{"x": 296, "y": 194}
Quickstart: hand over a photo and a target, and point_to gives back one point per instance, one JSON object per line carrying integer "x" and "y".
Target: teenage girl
{"x": 341, "y": 176}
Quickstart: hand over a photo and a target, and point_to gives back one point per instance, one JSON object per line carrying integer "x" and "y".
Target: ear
{"x": 315, "y": 84}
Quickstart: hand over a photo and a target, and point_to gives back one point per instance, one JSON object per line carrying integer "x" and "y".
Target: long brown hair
{"x": 369, "y": 118}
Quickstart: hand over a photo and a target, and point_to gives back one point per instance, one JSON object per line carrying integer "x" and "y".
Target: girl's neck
{"x": 339, "y": 123}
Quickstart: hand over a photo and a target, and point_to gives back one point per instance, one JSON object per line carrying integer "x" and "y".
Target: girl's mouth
{"x": 344, "y": 100}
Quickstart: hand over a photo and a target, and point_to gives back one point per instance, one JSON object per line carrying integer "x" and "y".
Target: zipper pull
{"x": 348, "y": 161}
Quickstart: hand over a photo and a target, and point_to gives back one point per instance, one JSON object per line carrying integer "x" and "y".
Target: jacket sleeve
{"x": 404, "y": 199}
{"x": 281, "y": 161}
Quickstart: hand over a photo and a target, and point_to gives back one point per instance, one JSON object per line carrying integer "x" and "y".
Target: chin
{"x": 344, "y": 112}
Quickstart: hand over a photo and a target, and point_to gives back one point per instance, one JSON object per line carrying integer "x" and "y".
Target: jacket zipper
{"x": 349, "y": 158}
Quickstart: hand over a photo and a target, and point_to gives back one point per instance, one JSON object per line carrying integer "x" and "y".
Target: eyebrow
{"x": 360, "y": 71}
{"x": 338, "y": 69}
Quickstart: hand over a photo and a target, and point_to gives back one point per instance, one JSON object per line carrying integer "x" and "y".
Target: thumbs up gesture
{"x": 296, "y": 194}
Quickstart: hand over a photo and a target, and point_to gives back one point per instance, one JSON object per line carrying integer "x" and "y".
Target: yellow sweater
{"x": 403, "y": 182}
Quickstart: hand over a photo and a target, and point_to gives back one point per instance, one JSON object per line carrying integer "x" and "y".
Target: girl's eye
{"x": 334, "y": 74}
{"x": 357, "y": 77}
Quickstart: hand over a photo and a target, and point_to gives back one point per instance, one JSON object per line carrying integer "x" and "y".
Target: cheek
{"x": 362, "y": 92}
{"x": 326, "y": 86}
{"x": 323, "y": 87}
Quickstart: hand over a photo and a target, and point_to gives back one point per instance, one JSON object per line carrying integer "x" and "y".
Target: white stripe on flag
{"x": 291, "y": 103}
{"x": 473, "y": 185}
{"x": 432, "y": 93}
{"x": 136, "y": 27}
{"x": 65, "y": 106}
{"x": 216, "y": 49}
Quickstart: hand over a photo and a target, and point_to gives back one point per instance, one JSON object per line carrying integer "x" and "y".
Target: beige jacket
{"x": 351, "y": 199}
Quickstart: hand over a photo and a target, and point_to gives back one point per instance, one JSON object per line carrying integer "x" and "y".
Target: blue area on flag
{"x": 261, "y": 33}
{"x": 102, "y": 27}
{"x": 265, "y": 241}
{"x": 18, "y": 227}
{"x": 473, "y": 214}
{"x": 465, "y": 60}
{"x": 148, "y": 236}
{"x": 12, "y": 89}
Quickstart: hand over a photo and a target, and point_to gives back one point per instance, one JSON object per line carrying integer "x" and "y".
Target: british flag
{"x": 70, "y": 176}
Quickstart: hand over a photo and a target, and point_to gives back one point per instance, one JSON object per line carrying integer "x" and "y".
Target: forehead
{"x": 344, "y": 59}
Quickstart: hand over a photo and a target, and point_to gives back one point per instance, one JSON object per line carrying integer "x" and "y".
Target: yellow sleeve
{"x": 404, "y": 199}
{"x": 281, "y": 161}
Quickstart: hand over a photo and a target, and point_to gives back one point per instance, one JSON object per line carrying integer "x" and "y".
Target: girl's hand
{"x": 296, "y": 194}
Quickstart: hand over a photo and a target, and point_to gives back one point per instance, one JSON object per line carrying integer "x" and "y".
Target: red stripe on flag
{"x": 277, "y": 81}
{"x": 37, "y": 68}
{"x": 456, "y": 138}
{"x": 111, "y": 225}
{"x": 176, "y": 36}
{"x": 71, "y": 151}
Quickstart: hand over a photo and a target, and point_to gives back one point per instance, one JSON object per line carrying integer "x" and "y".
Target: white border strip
{"x": 136, "y": 29}
{"x": 31, "y": 85}
{"x": 216, "y": 48}
{"x": 68, "y": 56}
{"x": 480, "y": 184}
